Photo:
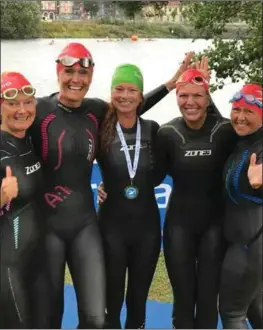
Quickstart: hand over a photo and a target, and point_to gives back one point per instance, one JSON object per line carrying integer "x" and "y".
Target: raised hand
{"x": 255, "y": 172}
{"x": 171, "y": 84}
{"x": 9, "y": 187}
{"x": 202, "y": 66}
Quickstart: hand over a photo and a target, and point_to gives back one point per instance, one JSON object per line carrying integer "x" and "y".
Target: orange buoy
{"x": 134, "y": 38}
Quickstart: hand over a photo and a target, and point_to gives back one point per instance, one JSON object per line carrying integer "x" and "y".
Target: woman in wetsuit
{"x": 129, "y": 217}
{"x": 193, "y": 149}
{"x": 23, "y": 293}
{"x": 241, "y": 279}
{"x": 65, "y": 134}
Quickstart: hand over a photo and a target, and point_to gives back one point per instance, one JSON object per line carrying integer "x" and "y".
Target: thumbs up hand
{"x": 102, "y": 195}
{"x": 255, "y": 172}
{"x": 9, "y": 187}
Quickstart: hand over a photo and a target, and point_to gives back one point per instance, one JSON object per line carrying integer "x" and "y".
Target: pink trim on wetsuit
{"x": 60, "y": 149}
{"x": 6, "y": 208}
{"x": 94, "y": 119}
{"x": 93, "y": 144}
{"x": 44, "y": 134}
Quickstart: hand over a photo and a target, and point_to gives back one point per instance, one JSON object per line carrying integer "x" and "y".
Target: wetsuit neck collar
{"x": 10, "y": 136}
{"x": 129, "y": 130}
{"x": 15, "y": 141}
{"x": 204, "y": 126}
{"x": 256, "y": 136}
{"x": 64, "y": 107}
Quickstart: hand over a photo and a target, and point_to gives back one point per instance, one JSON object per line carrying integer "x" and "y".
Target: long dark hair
{"x": 107, "y": 129}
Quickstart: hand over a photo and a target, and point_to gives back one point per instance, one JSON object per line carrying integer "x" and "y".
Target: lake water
{"x": 157, "y": 59}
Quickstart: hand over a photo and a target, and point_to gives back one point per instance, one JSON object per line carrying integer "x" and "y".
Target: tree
{"x": 131, "y": 8}
{"x": 91, "y": 7}
{"x": 241, "y": 57}
{"x": 174, "y": 13}
{"x": 159, "y": 7}
{"x": 20, "y": 19}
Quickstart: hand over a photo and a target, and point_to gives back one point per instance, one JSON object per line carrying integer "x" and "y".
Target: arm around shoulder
{"x": 98, "y": 108}
{"x": 153, "y": 97}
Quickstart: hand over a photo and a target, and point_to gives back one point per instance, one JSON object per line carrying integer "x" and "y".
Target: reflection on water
{"x": 158, "y": 61}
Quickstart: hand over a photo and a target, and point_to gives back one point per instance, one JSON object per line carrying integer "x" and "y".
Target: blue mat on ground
{"x": 158, "y": 314}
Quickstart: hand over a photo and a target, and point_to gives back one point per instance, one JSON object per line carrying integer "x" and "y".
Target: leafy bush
{"x": 20, "y": 19}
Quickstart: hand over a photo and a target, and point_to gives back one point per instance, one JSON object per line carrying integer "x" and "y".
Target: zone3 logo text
{"x": 33, "y": 168}
{"x": 132, "y": 147}
{"x": 193, "y": 153}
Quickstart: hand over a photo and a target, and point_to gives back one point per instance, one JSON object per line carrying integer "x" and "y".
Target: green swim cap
{"x": 127, "y": 73}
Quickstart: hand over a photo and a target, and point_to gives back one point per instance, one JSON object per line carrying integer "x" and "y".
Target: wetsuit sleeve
{"x": 161, "y": 155}
{"x": 260, "y": 157}
{"x": 35, "y": 133}
{"x": 42, "y": 110}
{"x": 153, "y": 97}
{"x": 99, "y": 109}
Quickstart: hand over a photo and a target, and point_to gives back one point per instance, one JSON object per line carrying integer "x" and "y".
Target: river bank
{"x": 121, "y": 29}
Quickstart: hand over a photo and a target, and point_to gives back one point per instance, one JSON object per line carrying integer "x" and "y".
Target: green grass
{"x": 125, "y": 29}
{"x": 102, "y": 29}
{"x": 160, "y": 288}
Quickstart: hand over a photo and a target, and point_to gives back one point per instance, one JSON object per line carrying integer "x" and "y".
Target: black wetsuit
{"x": 255, "y": 310}
{"x": 193, "y": 246}
{"x": 23, "y": 293}
{"x": 66, "y": 139}
{"x": 241, "y": 280}
{"x": 130, "y": 228}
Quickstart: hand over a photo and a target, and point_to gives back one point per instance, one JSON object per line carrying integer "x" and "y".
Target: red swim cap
{"x": 249, "y": 97}
{"x": 75, "y": 50}
{"x": 11, "y": 80}
{"x": 192, "y": 76}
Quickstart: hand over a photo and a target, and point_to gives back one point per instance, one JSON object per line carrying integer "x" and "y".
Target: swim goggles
{"x": 249, "y": 98}
{"x": 11, "y": 93}
{"x": 69, "y": 61}
{"x": 198, "y": 80}
{"x": 192, "y": 77}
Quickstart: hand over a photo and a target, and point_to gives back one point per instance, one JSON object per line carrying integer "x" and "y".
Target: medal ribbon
{"x": 131, "y": 168}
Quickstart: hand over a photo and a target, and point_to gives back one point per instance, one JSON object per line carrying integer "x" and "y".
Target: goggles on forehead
{"x": 197, "y": 80}
{"x": 249, "y": 98}
{"x": 11, "y": 93}
{"x": 69, "y": 61}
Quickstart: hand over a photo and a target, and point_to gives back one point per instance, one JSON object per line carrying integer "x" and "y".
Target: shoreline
{"x": 124, "y": 30}
{"x": 120, "y": 30}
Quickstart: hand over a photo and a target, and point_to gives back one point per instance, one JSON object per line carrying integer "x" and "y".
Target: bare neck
{"x": 18, "y": 134}
{"x": 68, "y": 103}
{"x": 127, "y": 120}
{"x": 197, "y": 124}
